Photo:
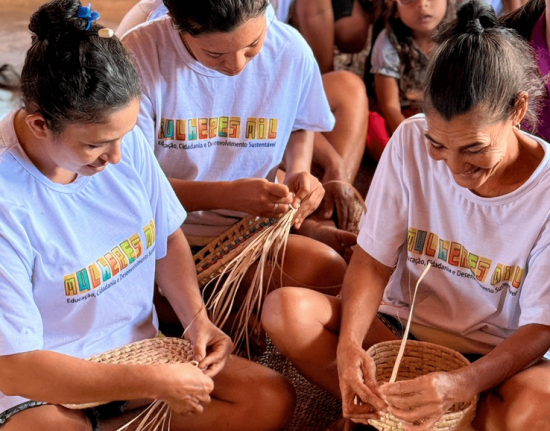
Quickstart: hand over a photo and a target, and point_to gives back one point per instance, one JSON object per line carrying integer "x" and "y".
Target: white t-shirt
{"x": 489, "y": 256}
{"x": 78, "y": 260}
{"x": 206, "y": 126}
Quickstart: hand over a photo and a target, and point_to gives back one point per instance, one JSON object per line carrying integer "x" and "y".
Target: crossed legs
{"x": 247, "y": 396}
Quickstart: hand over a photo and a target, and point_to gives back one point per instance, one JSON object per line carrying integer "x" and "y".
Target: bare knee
{"x": 280, "y": 308}
{"x": 341, "y": 85}
{"x": 287, "y": 311}
{"x": 312, "y": 264}
{"x": 526, "y": 407}
{"x": 275, "y": 400}
{"x": 521, "y": 403}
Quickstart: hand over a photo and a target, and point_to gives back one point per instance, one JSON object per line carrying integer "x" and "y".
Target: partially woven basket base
{"x": 165, "y": 350}
{"x": 212, "y": 259}
{"x": 420, "y": 358}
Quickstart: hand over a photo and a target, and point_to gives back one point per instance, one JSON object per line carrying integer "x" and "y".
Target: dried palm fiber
{"x": 407, "y": 359}
{"x": 267, "y": 243}
{"x": 264, "y": 247}
{"x": 212, "y": 258}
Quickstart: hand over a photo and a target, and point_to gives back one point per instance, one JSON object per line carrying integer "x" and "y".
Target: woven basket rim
{"x": 452, "y": 418}
{"x": 448, "y": 350}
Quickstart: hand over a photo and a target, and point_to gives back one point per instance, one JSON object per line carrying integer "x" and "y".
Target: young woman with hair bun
{"x": 88, "y": 224}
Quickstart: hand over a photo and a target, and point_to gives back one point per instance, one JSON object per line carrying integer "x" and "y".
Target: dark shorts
{"x": 95, "y": 414}
{"x": 344, "y": 8}
{"x": 395, "y": 325}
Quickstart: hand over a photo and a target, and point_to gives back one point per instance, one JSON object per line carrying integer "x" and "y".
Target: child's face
{"x": 422, "y": 16}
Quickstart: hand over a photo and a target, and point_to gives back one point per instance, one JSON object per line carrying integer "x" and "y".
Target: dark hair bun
{"x": 473, "y": 18}
{"x": 56, "y": 20}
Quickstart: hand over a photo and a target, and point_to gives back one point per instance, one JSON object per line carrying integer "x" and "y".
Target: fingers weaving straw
{"x": 406, "y": 334}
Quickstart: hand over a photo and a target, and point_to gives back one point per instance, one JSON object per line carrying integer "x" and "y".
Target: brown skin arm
{"x": 255, "y": 196}
{"x": 300, "y": 182}
{"x": 176, "y": 276}
{"x": 362, "y": 292}
{"x": 387, "y": 93}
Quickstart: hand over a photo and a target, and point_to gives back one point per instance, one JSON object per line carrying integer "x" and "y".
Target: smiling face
{"x": 228, "y": 53}
{"x": 478, "y": 154}
{"x": 83, "y": 148}
{"x": 422, "y": 16}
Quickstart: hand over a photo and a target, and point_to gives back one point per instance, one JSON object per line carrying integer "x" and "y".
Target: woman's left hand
{"x": 211, "y": 346}
{"x": 303, "y": 184}
{"x": 422, "y": 401}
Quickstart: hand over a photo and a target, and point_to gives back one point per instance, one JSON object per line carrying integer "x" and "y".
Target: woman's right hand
{"x": 260, "y": 197}
{"x": 357, "y": 375}
{"x": 185, "y": 388}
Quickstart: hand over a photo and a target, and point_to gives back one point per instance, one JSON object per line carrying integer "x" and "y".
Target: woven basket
{"x": 211, "y": 260}
{"x": 165, "y": 350}
{"x": 420, "y": 358}
{"x": 359, "y": 209}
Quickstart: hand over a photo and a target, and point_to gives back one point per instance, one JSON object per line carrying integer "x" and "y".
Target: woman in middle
{"x": 230, "y": 94}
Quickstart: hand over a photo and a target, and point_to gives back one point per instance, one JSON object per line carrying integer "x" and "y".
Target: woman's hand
{"x": 338, "y": 194}
{"x": 260, "y": 197}
{"x": 211, "y": 346}
{"x": 303, "y": 185}
{"x": 424, "y": 400}
{"x": 361, "y": 399}
{"x": 186, "y": 388}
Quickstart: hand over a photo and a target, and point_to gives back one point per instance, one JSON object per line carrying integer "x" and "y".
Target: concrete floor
{"x": 15, "y": 37}
{"x": 14, "y": 20}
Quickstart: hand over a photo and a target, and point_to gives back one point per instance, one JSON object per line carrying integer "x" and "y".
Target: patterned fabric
{"x": 4, "y": 416}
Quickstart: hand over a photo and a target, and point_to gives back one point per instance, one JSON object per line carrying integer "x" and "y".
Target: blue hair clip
{"x": 89, "y": 14}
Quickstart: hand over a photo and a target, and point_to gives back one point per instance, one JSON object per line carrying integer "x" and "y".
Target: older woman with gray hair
{"x": 462, "y": 188}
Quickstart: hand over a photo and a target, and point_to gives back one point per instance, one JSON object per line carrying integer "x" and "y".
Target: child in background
{"x": 399, "y": 60}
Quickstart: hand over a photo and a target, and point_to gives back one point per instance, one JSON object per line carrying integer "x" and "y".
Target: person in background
{"x": 530, "y": 21}
{"x": 329, "y": 23}
{"x": 400, "y": 57}
{"x": 454, "y": 188}
{"x": 88, "y": 224}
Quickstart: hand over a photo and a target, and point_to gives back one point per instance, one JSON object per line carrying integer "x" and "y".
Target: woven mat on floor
{"x": 315, "y": 408}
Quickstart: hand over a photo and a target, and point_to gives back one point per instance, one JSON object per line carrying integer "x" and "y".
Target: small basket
{"x": 164, "y": 350}
{"x": 420, "y": 358}
{"x": 211, "y": 260}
